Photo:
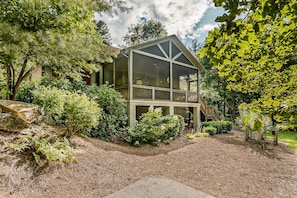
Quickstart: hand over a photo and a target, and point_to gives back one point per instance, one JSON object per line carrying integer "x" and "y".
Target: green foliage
{"x": 102, "y": 29}
{"x": 45, "y": 148}
{"x": 81, "y": 113}
{"x": 113, "y": 118}
{"x": 253, "y": 123}
{"x": 210, "y": 130}
{"x": 154, "y": 128}
{"x": 199, "y": 134}
{"x": 52, "y": 101}
{"x": 190, "y": 136}
{"x": 76, "y": 112}
{"x": 144, "y": 31}
{"x": 58, "y": 34}
{"x": 257, "y": 54}
{"x": 221, "y": 126}
{"x": 25, "y": 94}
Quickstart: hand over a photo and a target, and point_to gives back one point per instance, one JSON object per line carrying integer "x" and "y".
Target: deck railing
{"x": 160, "y": 93}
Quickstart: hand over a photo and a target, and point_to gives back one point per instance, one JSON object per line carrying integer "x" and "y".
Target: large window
{"x": 108, "y": 74}
{"x": 121, "y": 71}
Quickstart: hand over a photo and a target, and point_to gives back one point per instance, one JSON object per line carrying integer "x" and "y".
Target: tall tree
{"x": 58, "y": 34}
{"x": 257, "y": 54}
{"x": 144, "y": 31}
{"x": 102, "y": 29}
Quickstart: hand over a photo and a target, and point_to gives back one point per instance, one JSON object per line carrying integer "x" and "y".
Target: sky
{"x": 188, "y": 19}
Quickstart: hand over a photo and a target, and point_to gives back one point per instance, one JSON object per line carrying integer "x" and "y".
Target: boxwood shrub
{"x": 221, "y": 126}
{"x": 210, "y": 130}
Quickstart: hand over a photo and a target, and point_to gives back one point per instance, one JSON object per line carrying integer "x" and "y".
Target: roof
{"x": 178, "y": 44}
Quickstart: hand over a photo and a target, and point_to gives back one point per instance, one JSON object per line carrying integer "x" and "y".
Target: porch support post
{"x": 132, "y": 114}
{"x": 171, "y": 110}
{"x": 196, "y": 117}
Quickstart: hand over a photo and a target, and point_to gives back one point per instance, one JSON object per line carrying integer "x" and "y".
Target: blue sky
{"x": 188, "y": 19}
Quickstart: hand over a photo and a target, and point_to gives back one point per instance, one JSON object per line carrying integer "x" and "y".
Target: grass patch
{"x": 289, "y": 137}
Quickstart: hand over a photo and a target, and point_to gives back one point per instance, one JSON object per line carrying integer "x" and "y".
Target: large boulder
{"x": 27, "y": 112}
{"x": 12, "y": 123}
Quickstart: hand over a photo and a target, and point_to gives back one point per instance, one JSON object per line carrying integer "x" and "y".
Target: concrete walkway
{"x": 158, "y": 187}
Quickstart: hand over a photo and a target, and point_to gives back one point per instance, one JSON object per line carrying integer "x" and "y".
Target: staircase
{"x": 209, "y": 112}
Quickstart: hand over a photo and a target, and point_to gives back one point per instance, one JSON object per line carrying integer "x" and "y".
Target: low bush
{"x": 80, "y": 112}
{"x": 154, "y": 128}
{"x": 199, "y": 134}
{"x": 25, "y": 93}
{"x": 190, "y": 136}
{"x": 210, "y": 130}
{"x": 221, "y": 126}
{"x": 74, "y": 111}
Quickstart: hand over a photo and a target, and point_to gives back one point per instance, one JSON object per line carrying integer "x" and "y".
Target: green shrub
{"x": 253, "y": 123}
{"x": 71, "y": 110}
{"x": 25, "y": 93}
{"x": 113, "y": 118}
{"x": 81, "y": 113}
{"x": 52, "y": 101}
{"x": 221, "y": 126}
{"x": 154, "y": 128}
{"x": 210, "y": 130}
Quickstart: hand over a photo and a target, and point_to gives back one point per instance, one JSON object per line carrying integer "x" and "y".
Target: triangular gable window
{"x": 175, "y": 50}
{"x": 183, "y": 59}
{"x": 165, "y": 47}
{"x": 153, "y": 50}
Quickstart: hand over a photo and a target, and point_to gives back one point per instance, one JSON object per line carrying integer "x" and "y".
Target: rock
{"x": 12, "y": 123}
{"x": 27, "y": 112}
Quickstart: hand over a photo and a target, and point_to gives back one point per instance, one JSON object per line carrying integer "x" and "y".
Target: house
{"x": 160, "y": 73}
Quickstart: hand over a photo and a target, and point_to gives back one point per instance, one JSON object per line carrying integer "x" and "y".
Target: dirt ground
{"x": 223, "y": 165}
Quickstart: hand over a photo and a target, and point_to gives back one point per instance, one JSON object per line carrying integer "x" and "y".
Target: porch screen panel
{"x": 150, "y": 73}
{"x": 185, "y": 83}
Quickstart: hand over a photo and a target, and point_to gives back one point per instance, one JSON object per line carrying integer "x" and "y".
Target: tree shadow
{"x": 265, "y": 148}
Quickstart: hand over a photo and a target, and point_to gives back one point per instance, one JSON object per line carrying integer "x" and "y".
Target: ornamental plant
{"x": 113, "y": 118}
{"x": 154, "y": 128}
{"x": 74, "y": 111}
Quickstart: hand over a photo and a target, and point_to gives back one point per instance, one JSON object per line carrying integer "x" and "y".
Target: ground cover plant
{"x": 43, "y": 144}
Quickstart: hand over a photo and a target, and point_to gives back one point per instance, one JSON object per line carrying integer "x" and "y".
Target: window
{"x": 108, "y": 74}
{"x": 121, "y": 72}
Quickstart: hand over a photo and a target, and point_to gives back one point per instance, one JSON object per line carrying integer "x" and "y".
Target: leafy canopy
{"x": 257, "y": 54}
{"x": 58, "y": 34}
{"x": 144, "y": 31}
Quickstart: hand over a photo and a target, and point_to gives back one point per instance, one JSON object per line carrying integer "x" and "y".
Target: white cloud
{"x": 204, "y": 29}
{"x": 178, "y": 16}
